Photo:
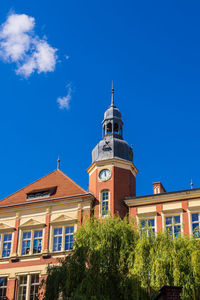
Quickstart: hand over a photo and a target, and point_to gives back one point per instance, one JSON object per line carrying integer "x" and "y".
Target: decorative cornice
{"x": 6, "y": 228}
{"x": 118, "y": 162}
{"x": 162, "y": 198}
{"x": 63, "y": 219}
{"x": 31, "y": 223}
{"x": 67, "y": 200}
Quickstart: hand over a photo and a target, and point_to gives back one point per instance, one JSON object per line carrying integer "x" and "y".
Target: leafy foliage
{"x": 111, "y": 260}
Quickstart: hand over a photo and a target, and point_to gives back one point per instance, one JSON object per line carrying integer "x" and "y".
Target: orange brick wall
{"x": 185, "y": 217}
{"x": 15, "y": 240}
{"x": 46, "y": 233}
{"x": 159, "y": 217}
{"x": 124, "y": 186}
{"x": 121, "y": 185}
{"x": 11, "y": 289}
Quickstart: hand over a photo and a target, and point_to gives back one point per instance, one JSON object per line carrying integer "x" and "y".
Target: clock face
{"x": 105, "y": 174}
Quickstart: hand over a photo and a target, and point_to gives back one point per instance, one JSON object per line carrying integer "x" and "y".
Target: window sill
{"x": 64, "y": 252}
{"x": 4, "y": 259}
{"x": 35, "y": 255}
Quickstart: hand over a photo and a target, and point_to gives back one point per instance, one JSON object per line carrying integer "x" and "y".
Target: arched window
{"x": 105, "y": 195}
{"x": 116, "y": 128}
{"x": 109, "y": 128}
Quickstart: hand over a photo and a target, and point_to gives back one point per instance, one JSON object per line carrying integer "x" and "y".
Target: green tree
{"x": 112, "y": 260}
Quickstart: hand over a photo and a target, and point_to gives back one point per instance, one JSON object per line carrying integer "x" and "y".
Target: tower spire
{"x": 112, "y": 96}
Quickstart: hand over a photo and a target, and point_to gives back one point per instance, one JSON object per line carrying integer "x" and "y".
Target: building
{"x": 37, "y": 222}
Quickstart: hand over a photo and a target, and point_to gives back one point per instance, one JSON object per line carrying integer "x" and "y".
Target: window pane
{"x": 57, "y": 239}
{"x": 57, "y": 231}
{"x": 151, "y": 222}
{"x": 143, "y": 223}
{"x": 69, "y": 239}
{"x": 169, "y": 229}
{"x": 6, "y": 245}
{"x": 37, "y": 242}
{"x": 177, "y": 220}
{"x": 26, "y": 242}
{"x": 195, "y": 217}
{"x": 22, "y": 288}
{"x": 7, "y": 237}
{"x": 168, "y": 220}
{"x": 37, "y": 233}
{"x": 195, "y": 230}
{"x": 34, "y": 286}
{"x": 3, "y": 287}
{"x": 177, "y": 229}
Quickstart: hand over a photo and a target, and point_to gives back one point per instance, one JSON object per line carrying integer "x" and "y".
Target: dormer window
{"x": 38, "y": 194}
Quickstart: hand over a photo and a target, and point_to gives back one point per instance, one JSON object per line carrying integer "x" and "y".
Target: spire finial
{"x": 112, "y": 97}
{"x": 191, "y": 184}
{"x": 58, "y": 163}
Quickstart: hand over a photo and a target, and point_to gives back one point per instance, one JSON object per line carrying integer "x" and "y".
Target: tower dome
{"x": 112, "y": 144}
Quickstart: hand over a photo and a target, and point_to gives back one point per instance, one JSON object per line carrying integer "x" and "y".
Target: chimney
{"x": 158, "y": 188}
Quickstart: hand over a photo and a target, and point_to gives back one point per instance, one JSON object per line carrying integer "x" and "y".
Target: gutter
{"x": 45, "y": 200}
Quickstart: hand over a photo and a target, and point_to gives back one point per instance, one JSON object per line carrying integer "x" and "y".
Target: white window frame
{"x": 101, "y": 199}
{"x": 28, "y": 284}
{"x": 63, "y": 226}
{"x": 32, "y": 240}
{"x": 165, "y": 215}
{"x": 4, "y": 287}
{"x": 190, "y": 221}
{"x": 2, "y": 242}
{"x": 145, "y": 218}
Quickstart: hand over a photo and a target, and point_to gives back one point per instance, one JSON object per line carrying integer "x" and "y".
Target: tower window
{"x": 116, "y": 128}
{"x": 104, "y": 203}
{"x": 109, "y": 128}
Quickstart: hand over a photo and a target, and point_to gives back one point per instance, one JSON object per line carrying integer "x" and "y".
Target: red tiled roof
{"x": 66, "y": 187}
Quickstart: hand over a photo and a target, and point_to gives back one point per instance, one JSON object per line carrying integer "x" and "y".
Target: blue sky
{"x": 150, "y": 49}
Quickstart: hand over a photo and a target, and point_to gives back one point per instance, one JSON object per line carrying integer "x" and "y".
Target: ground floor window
{"x": 28, "y": 287}
{"x": 3, "y": 287}
{"x": 196, "y": 225}
{"x": 173, "y": 225}
{"x": 148, "y": 226}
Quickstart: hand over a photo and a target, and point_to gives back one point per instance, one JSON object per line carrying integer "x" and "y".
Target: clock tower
{"x": 112, "y": 174}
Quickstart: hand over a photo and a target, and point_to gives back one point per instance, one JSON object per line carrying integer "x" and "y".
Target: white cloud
{"x": 43, "y": 59}
{"x": 64, "y": 101}
{"x": 19, "y": 44}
